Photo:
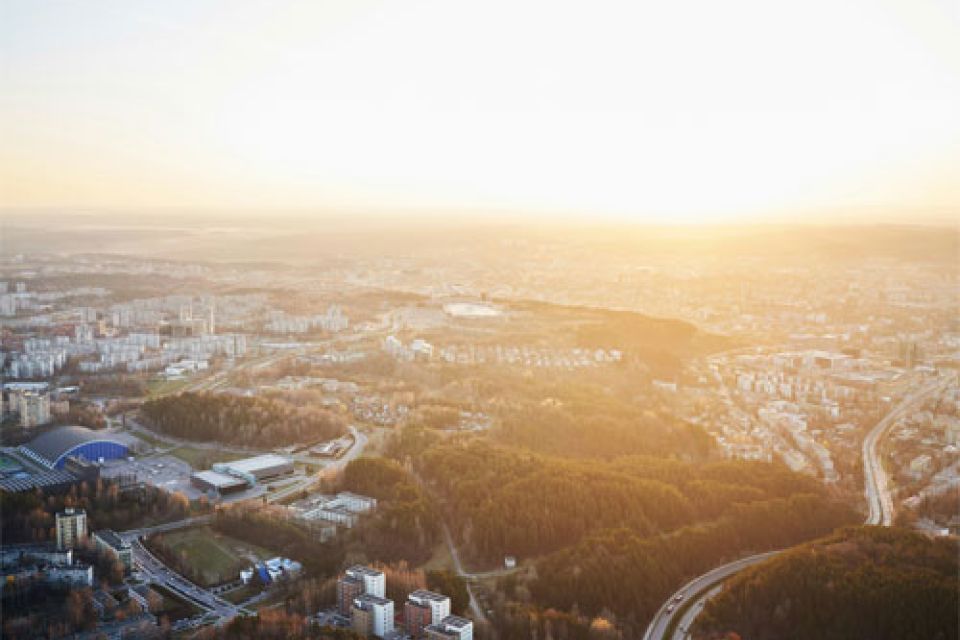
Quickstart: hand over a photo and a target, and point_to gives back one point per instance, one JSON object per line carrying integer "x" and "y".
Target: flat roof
{"x": 364, "y": 571}
{"x": 110, "y": 537}
{"x": 423, "y": 594}
{"x": 218, "y": 479}
{"x": 369, "y": 598}
{"x": 256, "y": 463}
{"x": 456, "y": 621}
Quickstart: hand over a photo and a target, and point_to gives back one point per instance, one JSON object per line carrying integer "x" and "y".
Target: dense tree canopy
{"x": 506, "y": 501}
{"x": 616, "y": 535}
{"x": 405, "y": 526}
{"x": 859, "y": 583}
{"x": 631, "y": 574}
{"x": 207, "y": 417}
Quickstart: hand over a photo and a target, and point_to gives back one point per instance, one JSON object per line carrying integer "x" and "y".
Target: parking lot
{"x": 173, "y": 474}
{"x": 165, "y": 472}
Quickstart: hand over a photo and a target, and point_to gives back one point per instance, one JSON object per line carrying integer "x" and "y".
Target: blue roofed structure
{"x": 52, "y": 448}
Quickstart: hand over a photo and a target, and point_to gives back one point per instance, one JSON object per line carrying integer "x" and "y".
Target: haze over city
{"x": 443, "y": 321}
{"x": 653, "y": 112}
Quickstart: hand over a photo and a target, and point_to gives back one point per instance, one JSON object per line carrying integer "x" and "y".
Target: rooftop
{"x": 367, "y": 599}
{"x": 218, "y": 479}
{"x": 360, "y": 570}
{"x": 257, "y": 462}
{"x": 423, "y": 594}
{"x": 110, "y": 538}
{"x": 456, "y": 622}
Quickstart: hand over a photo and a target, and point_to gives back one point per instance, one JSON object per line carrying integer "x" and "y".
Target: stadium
{"x": 52, "y": 448}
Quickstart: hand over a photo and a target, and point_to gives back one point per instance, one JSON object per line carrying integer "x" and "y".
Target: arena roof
{"x": 54, "y": 445}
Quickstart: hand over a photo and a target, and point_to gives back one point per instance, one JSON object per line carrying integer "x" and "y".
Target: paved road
{"x": 216, "y": 609}
{"x": 134, "y": 534}
{"x": 154, "y": 571}
{"x": 478, "y": 614}
{"x": 658, "y": 627}
{"x": 880, "y": 507}
{"x": 359, "y": 442}
{"x": 876, "y": 491}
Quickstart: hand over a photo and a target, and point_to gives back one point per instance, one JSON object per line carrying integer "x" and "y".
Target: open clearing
{"x": 217, "y": 557}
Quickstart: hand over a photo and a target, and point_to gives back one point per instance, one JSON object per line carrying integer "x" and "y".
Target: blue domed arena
{"x": 52, "y": 448}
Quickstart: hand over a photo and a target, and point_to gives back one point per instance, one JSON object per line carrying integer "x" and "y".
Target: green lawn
{"x": 203, "y": 458}
{"x": 149, "y": 438}
{"x": 218, "y": 558}
{"x": 157, "y": 387}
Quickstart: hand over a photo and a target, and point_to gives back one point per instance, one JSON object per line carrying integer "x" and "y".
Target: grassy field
{"x": 217, "y": 557}
{"x": 202, "y": 458}
{"x": 157, "y": 387}
{"x": 153, "y": 441}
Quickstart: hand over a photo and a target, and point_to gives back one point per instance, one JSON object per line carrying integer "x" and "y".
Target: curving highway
{"x": 699, "y": 585}
{"x": 880, "y": 512}
{"x": 879, "y": 500}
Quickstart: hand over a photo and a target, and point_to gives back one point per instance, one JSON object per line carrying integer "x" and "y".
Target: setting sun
{"x": 691, "y": 111}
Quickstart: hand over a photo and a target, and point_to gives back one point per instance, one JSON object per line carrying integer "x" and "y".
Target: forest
{"x": 405, "y": 524}
{"x": 30, "y": 517}
{"x": 585, "y": 422}
{"x": 615, "y": 535}
{"x": 503, "y": 500}
{"x": 207, "y": 417}
{"x": 859, "y": 583}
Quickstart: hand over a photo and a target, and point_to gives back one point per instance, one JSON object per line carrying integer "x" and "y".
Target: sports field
{"x": 217, "y": 558}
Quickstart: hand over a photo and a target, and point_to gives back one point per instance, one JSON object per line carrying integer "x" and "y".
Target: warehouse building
{"x": 256, "y": 469}
{"x": 220, "y": 483}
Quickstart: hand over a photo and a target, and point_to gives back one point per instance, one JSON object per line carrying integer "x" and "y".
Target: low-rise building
{"x": 76, "y": 575}
{"x": 218, "y": 483}
{"x": 109, "y": 543}
{"x": 148, "y": 599}
{"x": 256, "y": 469}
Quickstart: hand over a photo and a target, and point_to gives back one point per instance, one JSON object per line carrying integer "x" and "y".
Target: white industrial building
{"x": 256, "y": 469}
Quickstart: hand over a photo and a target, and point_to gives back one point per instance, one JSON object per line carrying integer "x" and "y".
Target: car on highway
{"x": 678, "y": 597}
{"x": 671, "y": 607}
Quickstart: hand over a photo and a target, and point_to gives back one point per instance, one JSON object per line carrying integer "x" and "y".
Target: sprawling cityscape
{"x": 512, "y": 320}
{"x": 188, "y": 444}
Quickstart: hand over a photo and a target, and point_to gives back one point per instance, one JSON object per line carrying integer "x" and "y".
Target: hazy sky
{"x": 663, "y": 110}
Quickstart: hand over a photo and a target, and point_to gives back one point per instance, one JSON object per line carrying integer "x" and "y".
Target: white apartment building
{"x": 438, "y": 603}
{"x": 374, "y": 582}
{"x": 372, "y": 615}
{"x": 450, "y": 628}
